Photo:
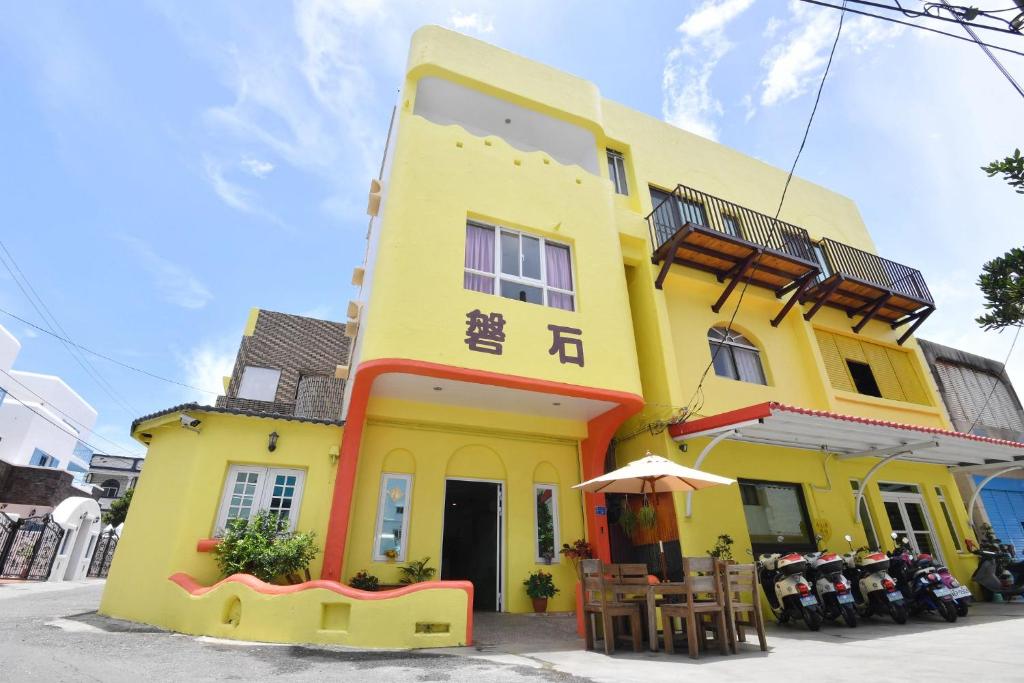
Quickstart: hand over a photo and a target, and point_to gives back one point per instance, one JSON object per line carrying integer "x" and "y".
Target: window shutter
{"x": 966, "y": 391}
{"x": 835, "y": 366}
{"x": 913, "y": 388}
{"x": 885, "y": 374}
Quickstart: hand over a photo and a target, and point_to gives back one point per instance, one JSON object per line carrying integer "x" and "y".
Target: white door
{"x": 909, "y": 518}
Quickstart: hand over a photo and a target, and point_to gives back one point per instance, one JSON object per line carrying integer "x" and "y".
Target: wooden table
{"x": 651, "y": 591}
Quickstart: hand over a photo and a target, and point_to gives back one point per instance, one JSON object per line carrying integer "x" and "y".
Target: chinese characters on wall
{"x": 485, "y": 333}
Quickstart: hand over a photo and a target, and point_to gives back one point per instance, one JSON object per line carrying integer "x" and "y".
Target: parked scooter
{"x": 825, "y": 571}
{"x": 962, "y": 596}
{"x": 996, "y": 571}
{"x": 789, "y": 593}
{"x": 874, "y": 591}
{"x": 920, "y": 581}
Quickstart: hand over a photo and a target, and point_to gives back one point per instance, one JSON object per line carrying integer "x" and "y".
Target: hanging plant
{"x": 627, "y": 518}
{"x": 647, "y": 518}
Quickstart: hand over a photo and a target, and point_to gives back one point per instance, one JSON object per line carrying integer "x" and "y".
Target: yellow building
{"x": 548, "y": 292}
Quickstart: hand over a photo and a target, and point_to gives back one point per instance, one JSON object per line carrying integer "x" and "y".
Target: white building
{"x": 114, "y": 474}
{"x": 41, "y": 417}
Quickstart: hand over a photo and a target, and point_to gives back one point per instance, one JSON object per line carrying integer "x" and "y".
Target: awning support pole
{"x": 700, "y": 459}
{"x": 864, "y": 483}
{"x": 983, "y": 484}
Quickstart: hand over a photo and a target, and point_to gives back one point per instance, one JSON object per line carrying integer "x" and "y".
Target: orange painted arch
{"x": 599, "y": 433}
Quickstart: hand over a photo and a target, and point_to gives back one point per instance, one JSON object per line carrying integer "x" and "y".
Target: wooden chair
{"x": 634, "y": 575}
{"x": 596, "y": 603}
{"x": 704, "y": 597}
{"x": 742, "y": 597}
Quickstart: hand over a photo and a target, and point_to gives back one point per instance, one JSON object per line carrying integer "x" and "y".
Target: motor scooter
{"x": 789, "y": 594}
{"x": 962, "y": 596}
{"x": 874, "y": 591}
{"x": 834, "y": 590}
{"x": 920, "y": 582}
{"x": 995, "y": 572}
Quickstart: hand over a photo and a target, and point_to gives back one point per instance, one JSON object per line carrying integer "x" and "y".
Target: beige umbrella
{"x": 653, "y": 474}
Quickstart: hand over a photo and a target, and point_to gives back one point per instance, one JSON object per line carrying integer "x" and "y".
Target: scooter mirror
{"x": 894, "y": 535}
{"x": 817, "y": 537}
{"x": 780, "y": 538}
{"x": 848, "y": 538}
{"x": 904, "y": 540}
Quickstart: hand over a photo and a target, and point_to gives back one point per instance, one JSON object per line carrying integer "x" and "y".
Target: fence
{"x": 28, "y": 547}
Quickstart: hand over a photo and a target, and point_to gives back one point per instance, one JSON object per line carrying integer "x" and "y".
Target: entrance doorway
{"x": 471, "y": 548}
{"x": 908, "y": 517}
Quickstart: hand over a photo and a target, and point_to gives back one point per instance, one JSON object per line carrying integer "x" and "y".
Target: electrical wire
{"x": 999, "y": 65}
{"x": 927, "y": 14}
{"x": 698, "y": 391}
{"x": 996, "y": 383}
{"x": 911, "y": 25}
{"x": 67, "y": 416}
{"x": 107, "y": 358}
{"x": 49, "y": 319}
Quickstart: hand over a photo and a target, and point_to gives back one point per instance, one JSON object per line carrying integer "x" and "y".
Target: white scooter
{"x": 833, "y": 588}
{"x": 789, "y": 593}
{"x": 874, "y": 590}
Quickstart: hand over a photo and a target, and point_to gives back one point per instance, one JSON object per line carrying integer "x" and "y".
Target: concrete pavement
{"x": 50, "y": 632}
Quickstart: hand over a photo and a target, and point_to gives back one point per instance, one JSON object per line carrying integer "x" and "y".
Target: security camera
{"x": 189, "y": 421}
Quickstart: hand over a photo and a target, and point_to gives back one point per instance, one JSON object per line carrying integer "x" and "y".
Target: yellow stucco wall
{"x": 178, "y": 494}
{"x": 398, "y": 441}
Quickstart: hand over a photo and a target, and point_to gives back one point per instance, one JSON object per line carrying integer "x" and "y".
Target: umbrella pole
{"x": 661, "y": 544}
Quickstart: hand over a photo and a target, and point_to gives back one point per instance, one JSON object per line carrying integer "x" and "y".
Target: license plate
{"x": 894, "y": 596}
{"x": 962, "y": 592}
{"x": 940, "y": 592}
{"x": 808, "y": 600}
{"x": 844, "y": 598}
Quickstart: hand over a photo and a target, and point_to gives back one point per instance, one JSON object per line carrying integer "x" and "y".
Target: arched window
{"x": 735, "y": 356}
{"x": 110, "y": 487}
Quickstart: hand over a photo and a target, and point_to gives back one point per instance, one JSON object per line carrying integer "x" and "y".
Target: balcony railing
{"x": 888, "y": 275}
{"x": 687, "y": 205}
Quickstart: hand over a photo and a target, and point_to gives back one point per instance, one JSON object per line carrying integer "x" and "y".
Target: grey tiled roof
{"x": 196, "y": 407}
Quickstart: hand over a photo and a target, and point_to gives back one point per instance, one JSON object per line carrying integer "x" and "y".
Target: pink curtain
{"x": 479, "y": 256}
{"x": 559, "y": 274}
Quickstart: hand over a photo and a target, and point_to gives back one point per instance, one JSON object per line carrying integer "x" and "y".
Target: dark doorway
{"x": 472, "y": 538}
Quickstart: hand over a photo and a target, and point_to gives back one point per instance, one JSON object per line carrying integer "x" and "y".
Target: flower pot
{"x": 540, "y": 605}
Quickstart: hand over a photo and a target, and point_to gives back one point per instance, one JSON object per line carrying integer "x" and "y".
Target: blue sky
{"x": 166, "y": 166}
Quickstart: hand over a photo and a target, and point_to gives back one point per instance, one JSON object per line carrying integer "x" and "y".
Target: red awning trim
{"x": 809, "y": 429}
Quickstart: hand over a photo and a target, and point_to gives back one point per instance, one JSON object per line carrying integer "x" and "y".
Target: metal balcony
{"x": 734, "y": 243}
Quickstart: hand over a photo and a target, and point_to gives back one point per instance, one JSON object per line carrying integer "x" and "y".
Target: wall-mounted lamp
{"x": 272, "y": 442}
{"x": 334, "y": 455}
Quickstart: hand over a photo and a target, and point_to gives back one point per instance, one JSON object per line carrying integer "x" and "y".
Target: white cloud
{"x": 178, "y": 286}
{"x": 471, "y": 23}
{"x": 232, "y": 194}
{"x": 795, "y": 64}
{"x": 772, "y": 27}
{"x": 206, "y": 365}
{"x": 687, "y": 100}
{"x": 257, "y": 167}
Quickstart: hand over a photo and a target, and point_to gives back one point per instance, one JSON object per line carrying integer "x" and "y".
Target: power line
{"x": 926, "y": 14}
{"x": 911, "y": 25}
{"x": 775, "y": 222}
{"x": 999, "y": 65}
{"x": 995, "y": 383}
{"x": 105, "y": 357}
{"x": 94, "y": 448}
{"x": 66, "y": 415}
{"x": 49, "y": 319}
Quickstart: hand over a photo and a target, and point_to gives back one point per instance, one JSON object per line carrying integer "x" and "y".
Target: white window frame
{"x": 403, "y": 546}
{"x": 554, "y": 522}
{"x": 729, "y": 340}
{"x": 261, "y": 497}
{"x": 901, "y": 498}
{"x": 947, "y": 517}
{"x": 241, "y": 383}
{"x": 497, "y": 276}
{"x": 866, "y": 519}
{"x": 617, "y": 171}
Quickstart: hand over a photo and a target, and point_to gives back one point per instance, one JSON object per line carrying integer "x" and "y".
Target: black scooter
{"x": 921, "y": 584}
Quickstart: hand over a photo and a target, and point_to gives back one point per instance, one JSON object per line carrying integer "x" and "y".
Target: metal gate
{"x": 103, "y": 555}
{"x": 31, "y": 547}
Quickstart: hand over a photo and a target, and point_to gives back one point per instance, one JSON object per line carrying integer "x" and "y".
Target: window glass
{"x": 819, "y": 256}
{"x": 250, "y": 489}
{"x": 546, "y": 522}
{"x": 865, "y": 518}
{"x": 110, "y": 488}
{"x": 258, "y": 384}
{"x": 732, "y": 225}
{"x": 531, "y": 257}
{"x": 243, "y": 495}
{"x": 736, "y": 357}
{"x": 693, "y": 212}
{"x": 863, "y": 378}
{"x": 617, "y": 171}
{"x": 530, "y": 269}
{"x": 776, "y": 516}
{"x": 392, "y": 517}
{"x": 283, "y": 495}
{"x": 949, "y": 524}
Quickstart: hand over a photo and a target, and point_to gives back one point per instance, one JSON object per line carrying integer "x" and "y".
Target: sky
{"x": 166, "y": 166}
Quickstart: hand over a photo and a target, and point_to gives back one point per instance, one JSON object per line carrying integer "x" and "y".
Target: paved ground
{"x": 50, "y": 632}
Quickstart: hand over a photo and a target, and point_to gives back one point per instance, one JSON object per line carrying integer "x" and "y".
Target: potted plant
{"x": 723, "y": 548}
{"x": 579, "y": 550}
{"x": 364, "y": 581}
{"x": 416, "y": 571}
{"x": 540, "y": 586}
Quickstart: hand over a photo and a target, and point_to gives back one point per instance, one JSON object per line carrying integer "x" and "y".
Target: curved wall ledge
{"x": 429, "y": 614}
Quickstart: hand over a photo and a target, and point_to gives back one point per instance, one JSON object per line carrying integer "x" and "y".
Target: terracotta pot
{"x": 540, "y": 605}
